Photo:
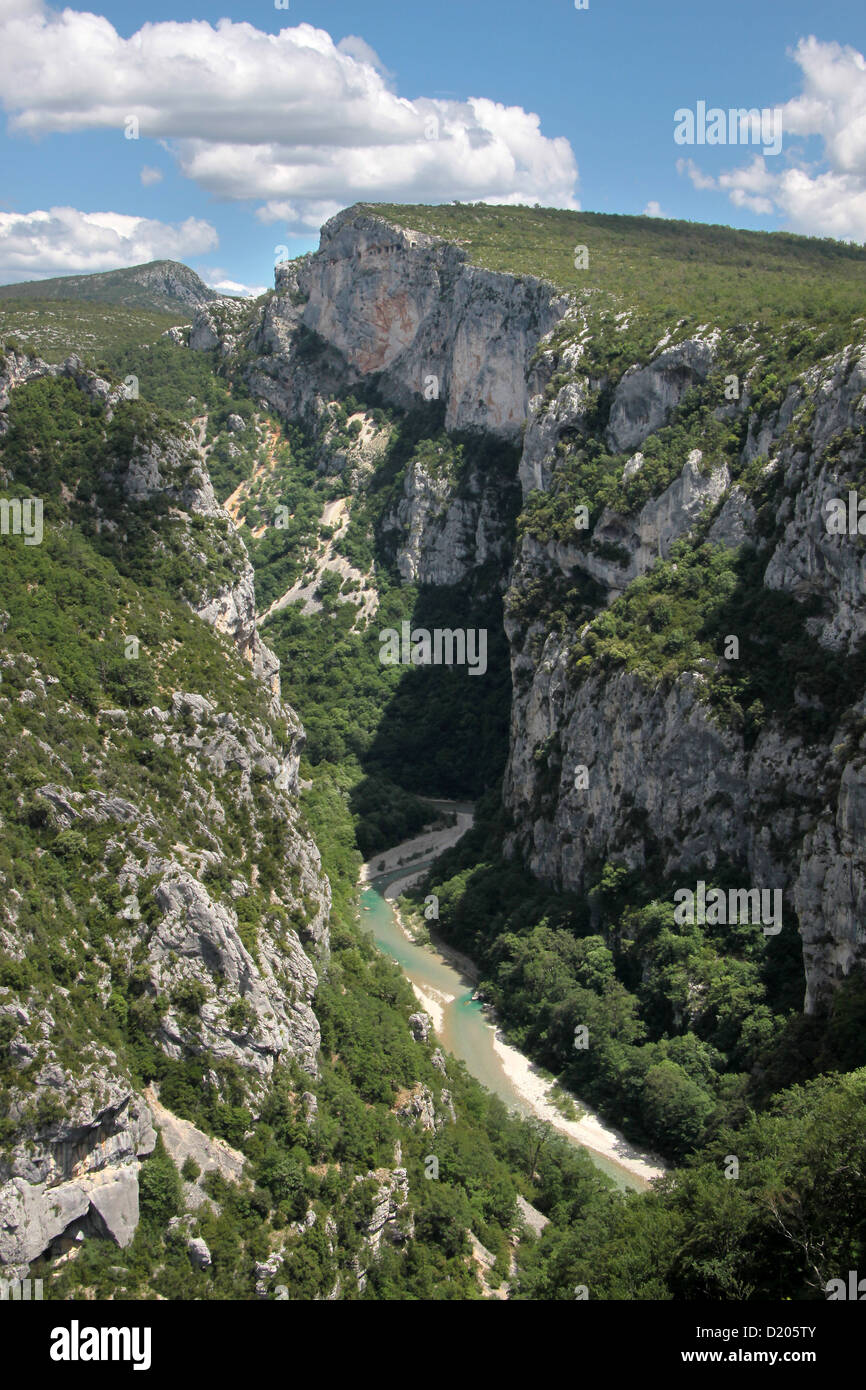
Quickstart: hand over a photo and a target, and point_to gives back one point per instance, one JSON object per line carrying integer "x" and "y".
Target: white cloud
{"x": 64, "y": 241}
{"x": 699, "y": 179}
{"x": 149, "y": 175}
{"x": 832, "y": 104}
{"x": 235, "y": 287}
{"x": 824, "y": 195}
{"x": 289, "y": 118}
{"x": 752, "y": 186}
{"x": 20, "y": 8}
{"x": 303, "y": 217}
{"x": 653, "y": 209}
{"x": 359, "y": 48}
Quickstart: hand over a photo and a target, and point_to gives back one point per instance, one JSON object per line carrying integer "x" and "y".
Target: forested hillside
{"x": 172, "y": 949}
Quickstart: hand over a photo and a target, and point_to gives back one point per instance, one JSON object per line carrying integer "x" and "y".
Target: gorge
{"x": 400, "y": 437}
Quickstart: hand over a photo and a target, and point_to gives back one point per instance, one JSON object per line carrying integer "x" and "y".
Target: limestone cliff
{"x": 665, "y": 779}
{"x": 510, "y": 358}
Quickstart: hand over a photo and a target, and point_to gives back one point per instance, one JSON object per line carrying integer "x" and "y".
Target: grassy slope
{"x": 719, "y": 273}
{"x": 54, "y": 328}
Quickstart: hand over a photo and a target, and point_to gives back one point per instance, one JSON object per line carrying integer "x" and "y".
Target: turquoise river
{"x": 464, "y": 1029}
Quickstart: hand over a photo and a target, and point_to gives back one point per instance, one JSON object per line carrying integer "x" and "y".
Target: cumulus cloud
{"x": 653, "y": 209}
{"x": 290, "y": 119}
{"x": 824, "y": 195}
{"x": 149, "y": 175}
{"x": 63, "y": 241}
{"x": 235, "y": 287}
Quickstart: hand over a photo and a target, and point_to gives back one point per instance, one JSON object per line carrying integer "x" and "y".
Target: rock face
{"x": 391, "y": 1216}
{"x": 233, "y": 610}
{"x": 664, "y": 779}
{"x": 181, "y": 1227}
{"x": 691, "y": 807}
{"x": 641, "y": 539}
{"x": 243, "y": 1001}
{"x": 197, "y": 940}
{"x": 440, "y": 538}
{"x": 418, "y": 1109}
{"x": 18, "y": 368}
{"x": 534, "y": 1219}
{"x": 645, "y": 396}
{"x": 410, "y": 310}
{"x": 406, "y": 309}
{"x": 199, "y": 1253}
{"x": 809, "y": 559}
{"x": 184, "y": 1141}
{"x": 77, "y": 1173}
{"x": 217, "y": 324}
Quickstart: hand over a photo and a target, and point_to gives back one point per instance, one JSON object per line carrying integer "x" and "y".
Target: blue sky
{"x": 246, "y": 143}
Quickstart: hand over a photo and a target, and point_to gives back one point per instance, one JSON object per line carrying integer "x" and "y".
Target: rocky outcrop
{"x": 233, "y": 610}
{"x": 183, "y": 1141}
{"x": 391, "y": 1217}
{"x": 217, "y": 325}
{"x": 809, "y": 559}
{"x": 447, "y": 1114}
{"x": 420, "y": 1025}
{"x": 410, "y": 310}
{"x": 440, "y": 537}
{"x": 76, "y": 1173}
{"x": 646, "y": 396}
{"x": 548, "y": 421}
{"x": 17, "y": 368}
{"x": 181, "y": 1228}
{"x": 640, "y": 540}
{"x": 418, "y": 1108}
{"x": 534, "y": 1219}
{"x": 197, "y": 942}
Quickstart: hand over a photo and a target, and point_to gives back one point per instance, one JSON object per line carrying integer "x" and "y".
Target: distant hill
{"x": 158, "y": 286}
{"x": 100, "y": 314}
